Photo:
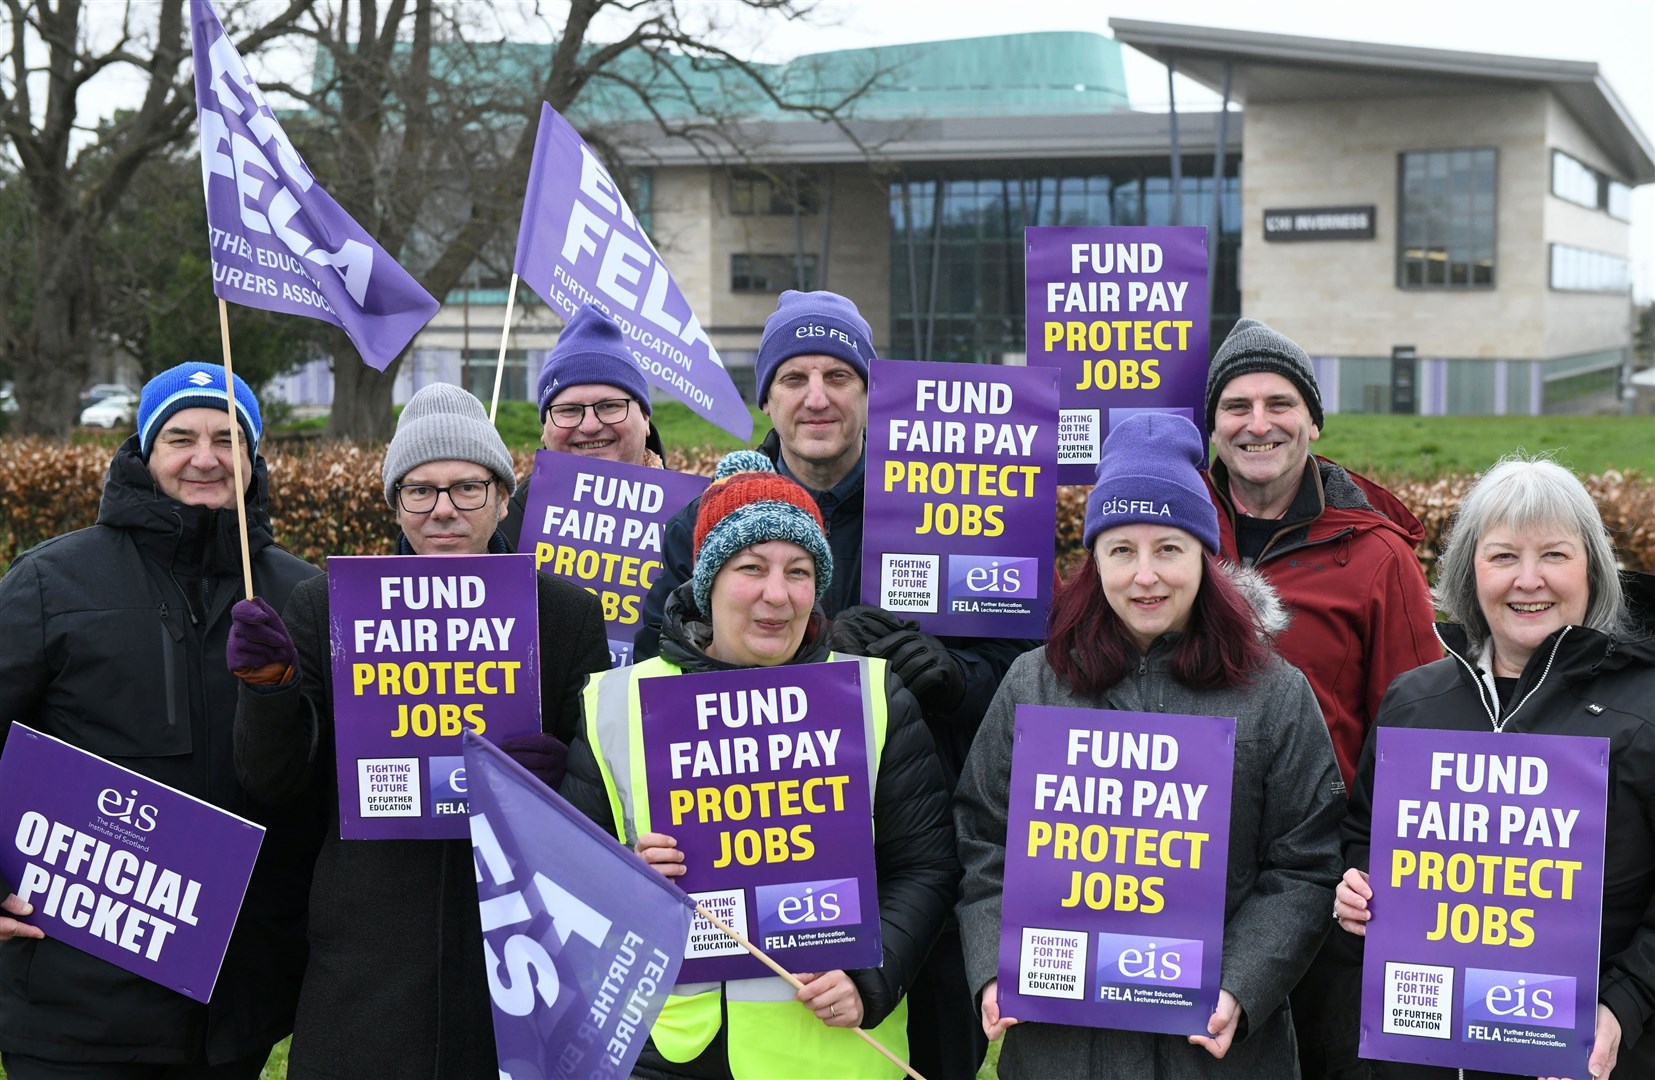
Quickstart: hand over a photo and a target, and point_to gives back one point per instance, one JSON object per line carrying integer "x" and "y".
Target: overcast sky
{"x": 1617, "y": 35}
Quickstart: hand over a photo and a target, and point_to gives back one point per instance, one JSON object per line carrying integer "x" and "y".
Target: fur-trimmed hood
{"x": 1272, "y": 615}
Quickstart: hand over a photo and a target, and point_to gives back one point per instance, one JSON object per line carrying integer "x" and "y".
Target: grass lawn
{"x": 1427, "y": 447}
{"x": 1420, "y": 447}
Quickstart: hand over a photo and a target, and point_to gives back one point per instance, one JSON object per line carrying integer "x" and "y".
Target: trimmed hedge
{"x": 326, "y": 499}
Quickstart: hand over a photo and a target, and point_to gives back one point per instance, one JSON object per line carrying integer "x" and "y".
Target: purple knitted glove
{"x": 260, "y": 652}
{"x": 542, "y": 754}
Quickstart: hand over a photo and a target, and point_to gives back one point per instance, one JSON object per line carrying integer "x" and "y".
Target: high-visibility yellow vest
{"x": 768, "y": 1034}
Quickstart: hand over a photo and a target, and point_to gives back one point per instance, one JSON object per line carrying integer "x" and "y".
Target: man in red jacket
{"x": 1340, "y": 551}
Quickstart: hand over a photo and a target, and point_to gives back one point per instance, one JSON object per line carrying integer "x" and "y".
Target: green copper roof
{"x": 1046, "y": 74}
{"x": 1043, "y": 74}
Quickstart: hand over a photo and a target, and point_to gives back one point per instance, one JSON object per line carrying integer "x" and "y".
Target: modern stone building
{"x": 1444, "y": 232}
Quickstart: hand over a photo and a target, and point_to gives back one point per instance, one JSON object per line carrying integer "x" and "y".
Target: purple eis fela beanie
{"x": 812, "y": 322}
{"x": 1150, "y": 472}
{"x": 591, "y": 350}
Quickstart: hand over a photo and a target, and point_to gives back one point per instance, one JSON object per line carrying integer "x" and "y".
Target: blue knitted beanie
{"x": 591, "y": 349}
{"x": 750, "y": 503}
{"x": 1149, "y": 471}
{"x": 812, "y": 322}
{"x": 194, "y": 385}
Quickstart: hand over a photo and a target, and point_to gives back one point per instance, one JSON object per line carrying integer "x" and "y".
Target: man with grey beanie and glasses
{"x": 1339, "y": 550}
{"x": 396, "y": 968}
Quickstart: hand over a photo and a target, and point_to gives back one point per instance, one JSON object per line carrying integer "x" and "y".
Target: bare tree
{"x": 423, "y": 128}
{"x": 419, "y": 121}
{"x": 70, "y": 177}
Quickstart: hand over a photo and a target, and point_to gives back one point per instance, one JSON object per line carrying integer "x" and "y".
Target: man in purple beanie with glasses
{"x": 594, "y": 402}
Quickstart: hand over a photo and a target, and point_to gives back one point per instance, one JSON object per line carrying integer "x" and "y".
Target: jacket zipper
{"x": 1494, "y": 719}
{"x": 170, "y": 637}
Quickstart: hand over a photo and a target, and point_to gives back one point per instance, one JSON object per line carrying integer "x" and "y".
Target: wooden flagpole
{"x": 235, "y": 448}
{"x": 500, "y": 361}
{"x": 793, "y": 981}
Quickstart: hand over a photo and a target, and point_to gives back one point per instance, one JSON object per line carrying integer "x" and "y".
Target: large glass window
{"x": 771, "y": 273}
{"x": 759, "y": 193}
{"x": 1445, "y": 214}
{"x": 1579, "y": 270}
{"x": 967, "y": 223}
{"x": 1585, "y": 186}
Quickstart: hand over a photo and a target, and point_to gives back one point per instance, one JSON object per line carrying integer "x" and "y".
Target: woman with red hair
{"x": 1154, "y": 623}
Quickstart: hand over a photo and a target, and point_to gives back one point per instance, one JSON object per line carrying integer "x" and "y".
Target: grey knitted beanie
{"x": 442, "y": 422}
{"x": 1252, "y": 347}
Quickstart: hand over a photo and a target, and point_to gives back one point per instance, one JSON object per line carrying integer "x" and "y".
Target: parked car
{"x": 112, "y": 411}
{"x": 8, "y": 400}
{"x": 99, "y": 391}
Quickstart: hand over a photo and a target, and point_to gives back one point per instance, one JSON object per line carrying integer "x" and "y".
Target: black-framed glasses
{"x": 610, "y": 411}
{"x": 422, "y": 498}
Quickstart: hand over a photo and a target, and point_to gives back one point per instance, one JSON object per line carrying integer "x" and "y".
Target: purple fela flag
{"x": 961, "y": 491}
{"x": 1487, "y": 872}
{"x": 119, "y": 866}
{"x": 425, "y": 647}
{"x": 1117, "y": 848}
{"x": 599, "y": 524}
{"x": 581, "y": 940}
{"x": 279, "y": 242}
{"x": 762, "y": 776}
{"x": 1122, "y": 312}
{"x": 580, "y": 243}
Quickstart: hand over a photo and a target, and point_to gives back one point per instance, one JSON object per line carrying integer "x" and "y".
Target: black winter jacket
{"x": 112, "y": 638}
{"x": 1578, "y": 682}
{"x": 983, "y": 660}
{"x": 913, "y": 841}
{"x": 396, "y": 985}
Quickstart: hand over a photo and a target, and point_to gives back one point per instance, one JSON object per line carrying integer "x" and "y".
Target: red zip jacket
{"x": 1343, "y": 562}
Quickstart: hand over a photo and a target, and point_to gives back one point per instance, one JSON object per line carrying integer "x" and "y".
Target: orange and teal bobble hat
{"x": 750, "y": 503}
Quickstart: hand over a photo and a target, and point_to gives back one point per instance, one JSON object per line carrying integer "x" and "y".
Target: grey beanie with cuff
{"x": 442, "y": 422}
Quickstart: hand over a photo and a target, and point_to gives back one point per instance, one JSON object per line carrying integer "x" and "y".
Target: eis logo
{"x": 447, "y": 784}
{"x": 799, "y": 906}
{"x": 1498, "y": 999}
{"x": 976, "y": 578}
{"x": 1145, "y": 961}
{"x": 117, "y": 807}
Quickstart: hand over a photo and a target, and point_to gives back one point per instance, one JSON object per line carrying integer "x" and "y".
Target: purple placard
{"x": 578, "y": 242}
{"x": 1467, "y": 964}
{"x": 424, "y": 648}
{"x": 1121, "y": 310}
{"x": 279, "y": 241}
{"x": 762, "y": 776}
{"x": 598, "y": 524}
{"x": 119, "y": 866}
{"x": 960, "y": 493}
{"x": 1117, "y": 844}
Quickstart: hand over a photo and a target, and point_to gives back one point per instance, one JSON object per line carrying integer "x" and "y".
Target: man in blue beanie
{"x": 112, "y": 638}
{"x": 812, "y": 375}
{"x": 594, "y": 402}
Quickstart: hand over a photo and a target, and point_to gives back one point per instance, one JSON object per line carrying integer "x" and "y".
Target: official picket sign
{"x": 763, "y": 777}
{"x": 1117, "y": 848}
{"x": 579, "y": 242}
{"x": 119, "y": 866}
{"x": 581, "y": 941}
{"x": 1121, "y": 311}
{"x": 426, "y": 647}
{"x": 960, "y": 493}
{"x": 1487, "y": 872}
{"x": 598, "y": 524}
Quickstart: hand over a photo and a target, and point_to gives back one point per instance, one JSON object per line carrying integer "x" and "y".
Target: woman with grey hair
{"x": 1545, "y": 636}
